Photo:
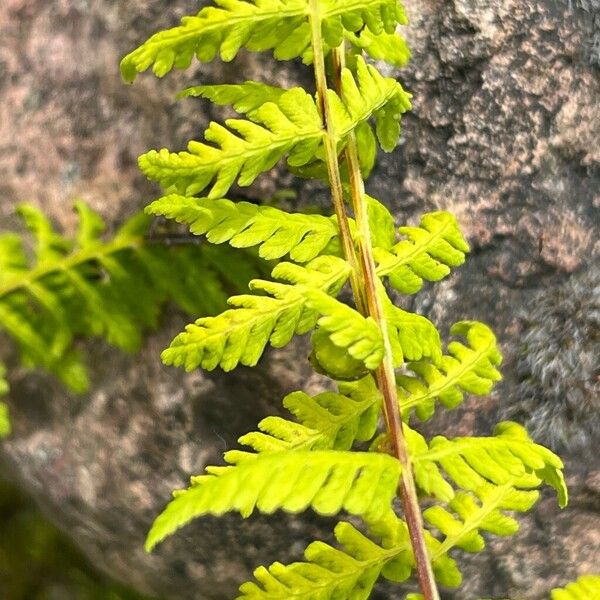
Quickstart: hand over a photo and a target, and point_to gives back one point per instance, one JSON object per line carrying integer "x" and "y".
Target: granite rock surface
{"x": 505, "y": 134}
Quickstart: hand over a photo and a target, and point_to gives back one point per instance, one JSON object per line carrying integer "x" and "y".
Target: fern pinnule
{"x": 327, "y": 421}
{"x": 510, "y": 456}
{"x": 428, "y": 253}
{"x": 328, "y": 481}
{"x": 367, "y": 94}
{"x": 243, "y": 97}
{"x": 242, "y": 150}
{"x": 240, "y": 335}
{"x": 412, "y": 336}
{"x": 276, "y": 233}
{"x": 258, "y": 25}
{"x": 329, "y": 573}
{"x": 468, "y": 368}
{"x": 388, "y": 47}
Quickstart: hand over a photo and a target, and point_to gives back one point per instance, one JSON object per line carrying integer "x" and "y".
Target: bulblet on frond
{"x": 329, "y": 359}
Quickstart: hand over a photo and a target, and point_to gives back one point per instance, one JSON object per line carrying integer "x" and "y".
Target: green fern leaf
{"x": 351, "y": 571}
{"x": 368, "y": 94}
{"x": 245, "y": 97}
{"x": 327, "y": 421}
{"x": 326, "y": 481}
{"x": 510, "y": 457}
{"x": 470, "y": 369}
{"x": 91, "y": 287}
{"x": 242, "y": 151}
{"x": 587, "y": 587}
{"x": 241, "y": 334}
{"x": 389, "y": 47}
{"x": 428, "y": 253}
{"x": 279, "y": 25}
{"x": 381, "y": 222}
{"x": 469, "y": 514}
{"x": 291, "y": 126}
{"x": 329, "y": 573}
{"x": 242, "y": 224}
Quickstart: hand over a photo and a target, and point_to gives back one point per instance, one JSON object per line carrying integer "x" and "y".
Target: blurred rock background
{"x": 505, "y": 133}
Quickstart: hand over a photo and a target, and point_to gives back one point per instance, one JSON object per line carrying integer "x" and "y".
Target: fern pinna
{"x": 87, "y": 286}
{"x": 385, "y": 360}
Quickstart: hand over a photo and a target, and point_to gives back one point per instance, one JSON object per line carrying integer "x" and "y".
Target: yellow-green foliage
{"x": 56, "y": 289}
{"x": 587, "y": 587}
{"x": 471, "y": 484}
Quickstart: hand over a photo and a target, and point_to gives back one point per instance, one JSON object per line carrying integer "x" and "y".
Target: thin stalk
{"x": 385, "y": 375}
{"x": 331, "y": 157}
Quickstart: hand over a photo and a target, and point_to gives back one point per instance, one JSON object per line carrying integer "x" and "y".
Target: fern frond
{"x": 330, "y": 573}
{"x": 242, "y": 224}
{"x": 241, "y": 334}
{"x": 244, "y": 97}
{"x": 242, "y": 150}
{"x": 369, "y": 94}
{"x": 510, "y": 457}
{"x": 258, "y": 25}
{"x": 327, "y": 481}
{"x": 428, "y": 253}
{"x": 326, "y": 421}
{"x": 587, "y": 587}
{"x": 466, "y": 369}
{"x": 290, "y": 126}
{"x": 88, "y": 286}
